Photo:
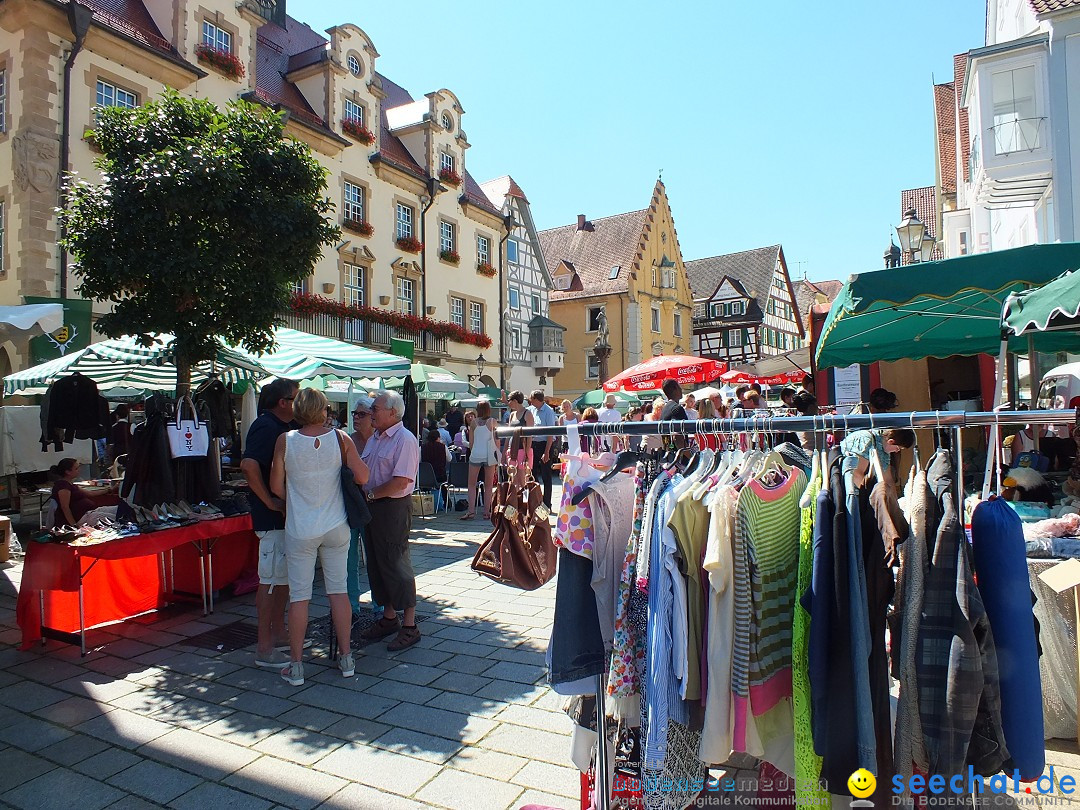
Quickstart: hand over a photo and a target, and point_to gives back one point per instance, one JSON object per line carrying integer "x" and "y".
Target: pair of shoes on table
{"x": 293, "y": 673}
{"x": 284, "y": 646}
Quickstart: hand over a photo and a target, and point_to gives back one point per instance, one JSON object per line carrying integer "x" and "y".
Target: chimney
{"x": 583, "y": 224}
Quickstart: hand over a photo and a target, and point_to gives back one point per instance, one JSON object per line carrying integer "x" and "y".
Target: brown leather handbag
{"x": 519, "y": 551}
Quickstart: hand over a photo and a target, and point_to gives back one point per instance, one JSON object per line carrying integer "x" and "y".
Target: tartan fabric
{"x": 955, "y": 658}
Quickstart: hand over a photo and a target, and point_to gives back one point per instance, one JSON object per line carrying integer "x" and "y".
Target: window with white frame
{"x": 447, "y": 236}
{"x": 594, "y": 318}
{"x": 592, "y": 368}
{"x": 678, "y": 324}
{"x": 476, "y": 317}
{"x": 563, "y": 282}
{"x": 403, "y": 219}
{"x": 217, "y": 38}
{"x": 353, "y": 202}
{"x": 734, "y": 337}
{"x": 511, "y": 251}
{"x": 299, "y": 287}
{"x": 536, "y": 304}
{"x": 446, "y": 162}
{"x": 515, "y": 298}
{"x": 447, "y": 121}
{"x": 716, "y": 310}
{"x": 656, "y": 319}
{"x": 354, "y": 112}
{"x": 736, "y": 307}
{"x": 354, "y": 65}
{"x": 483, "y": 250}
{"x": 109, "y": 95}
{"x": 3, "y": 101}
{"x": 457, "y": 311}
{"x": 406, "y": 301}
{"x": 1016, "y": 125}
{"x": 353, "y": 287}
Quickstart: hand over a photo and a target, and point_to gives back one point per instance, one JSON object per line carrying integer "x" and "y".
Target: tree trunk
{"x": 183, "y": 375}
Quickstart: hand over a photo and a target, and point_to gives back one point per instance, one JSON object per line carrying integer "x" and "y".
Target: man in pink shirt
{"x": 393, "y": 456}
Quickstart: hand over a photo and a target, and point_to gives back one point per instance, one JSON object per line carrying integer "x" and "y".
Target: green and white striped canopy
{"x": 123, "y": 363}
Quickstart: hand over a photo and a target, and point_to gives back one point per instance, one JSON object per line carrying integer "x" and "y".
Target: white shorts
{"x": 273, "y": 569}
{"x": 332, "y": 549}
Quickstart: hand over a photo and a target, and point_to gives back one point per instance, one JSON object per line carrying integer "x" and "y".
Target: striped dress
{"x": 767, "y": 527}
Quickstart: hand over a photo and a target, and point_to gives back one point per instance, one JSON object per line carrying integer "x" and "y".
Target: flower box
{"x": 223, "y": 61}
{"x": 410, "y": 244}
{"x": 354, "y": 129}
{"x": 486, "y": 269}
{"x": 450, "y": 256}
{"x": 450, "y": 177}
{"x": 358, "y": 226}
{"x": 307, "y": 304}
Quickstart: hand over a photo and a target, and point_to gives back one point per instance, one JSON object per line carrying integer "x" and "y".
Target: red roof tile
{"x": 273, "y": 47}
{"x": 945, "y": 119}
{"x": 1050, "y": 6}
{"x": 130, "y": 17}
{"x": 752, "y": 269}
{"x": 924, "y": 201}
{"x": 963, "y": 134}
{"x": 594, "y": 251}
{"x": 390, "y": 147}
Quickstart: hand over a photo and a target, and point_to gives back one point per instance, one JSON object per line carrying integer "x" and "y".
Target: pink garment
{"x": 390, "y": 454}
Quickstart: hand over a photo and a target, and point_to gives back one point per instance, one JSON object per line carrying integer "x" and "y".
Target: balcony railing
{"x": 1017, "y": 135}
{"x": 376, "y": 335}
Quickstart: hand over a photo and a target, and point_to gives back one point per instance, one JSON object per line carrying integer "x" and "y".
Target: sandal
{"x": 468, "y": 516}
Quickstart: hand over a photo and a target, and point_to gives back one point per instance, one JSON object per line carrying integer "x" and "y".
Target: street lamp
{"x": 910, "y": 232}
{"x": 926, "y": 249}
{"x": 480, "y": 363}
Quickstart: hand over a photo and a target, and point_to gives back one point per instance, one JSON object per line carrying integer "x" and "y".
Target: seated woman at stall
{"x": 71, "y": 502}
{"x": 435, "y": 453}
{"x": 861, "y": 446}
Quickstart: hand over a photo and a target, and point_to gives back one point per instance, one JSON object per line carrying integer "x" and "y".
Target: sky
{"x": 788, "y": 122}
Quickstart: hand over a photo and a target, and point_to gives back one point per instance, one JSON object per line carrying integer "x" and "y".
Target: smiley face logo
{"x": 861, "y": 783}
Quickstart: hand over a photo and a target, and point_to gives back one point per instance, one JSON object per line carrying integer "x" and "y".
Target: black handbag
{"x": 356, "y": 508}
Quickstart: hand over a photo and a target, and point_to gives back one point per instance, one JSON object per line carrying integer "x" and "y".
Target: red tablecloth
{"x": 122, "y": 578}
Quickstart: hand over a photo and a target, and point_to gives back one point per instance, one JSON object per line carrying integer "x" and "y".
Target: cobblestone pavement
{"x": 462, "y": 720}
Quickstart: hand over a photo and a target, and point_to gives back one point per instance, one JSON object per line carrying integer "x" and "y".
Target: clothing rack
{"x": 822, "y": 423}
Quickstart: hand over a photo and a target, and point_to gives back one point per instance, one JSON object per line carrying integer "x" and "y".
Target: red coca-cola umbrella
{"x": 735, "y": 377}
{"x": 651, "y": 374}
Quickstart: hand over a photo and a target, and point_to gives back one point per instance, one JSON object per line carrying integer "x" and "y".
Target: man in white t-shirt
{"x": 609, "y": 413}
{"x": 690, "y": 406}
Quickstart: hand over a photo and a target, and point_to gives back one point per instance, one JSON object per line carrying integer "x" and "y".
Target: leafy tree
{"x": 203, "y": 221}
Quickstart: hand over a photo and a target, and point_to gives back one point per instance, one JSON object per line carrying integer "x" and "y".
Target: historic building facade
{"x": 419, "y": 235}
{"x": 533, "y": 348}
{"x": 628, "y": 267}
{"x": 744, "y": 306}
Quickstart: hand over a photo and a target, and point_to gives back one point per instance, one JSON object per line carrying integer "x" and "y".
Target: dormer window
{"x": 446, "y": 162}
{"x": 355, "y": 67}
{"x": 216, "y": 38}
{"x": 354, "y": 112}
{"x": 562, "y": 282}
{"x": 447, "y": 122}
{"x": 736, "y": 307}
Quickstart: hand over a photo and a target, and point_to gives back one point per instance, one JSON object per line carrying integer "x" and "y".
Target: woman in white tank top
{"x": 483, "y": 456}
{"x": 307, "y": 474}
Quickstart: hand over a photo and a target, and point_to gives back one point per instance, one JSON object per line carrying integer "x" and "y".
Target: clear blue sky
{"x": 790, "y": 122}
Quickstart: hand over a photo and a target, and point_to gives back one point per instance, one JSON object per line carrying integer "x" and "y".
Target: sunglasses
{"x": 360, "y": 414}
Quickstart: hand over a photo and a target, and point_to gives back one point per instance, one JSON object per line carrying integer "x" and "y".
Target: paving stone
{"x": 73, "y": 711}
{"x": 298, "y": 745}
{"x": 46, "y": 669}
{"x": 213, "y": 796}
{"x": 190, "y": 713}
{"x": 510, "y": 692}
{"x": 108, "y": 763}
{"x": 59, "y": 788}
{"x": 199, "y": 688}
{"x": 367, "y": 665}
{"x": 403, "y": 691}
{"x": 98, "y": 686}
{"x": 460, "y": 682}
{"x": 332, "y": 676}
{"x": 549, "y": 701}
{"x": 469, "y": 664}
{"x": 147, "y": 701}
{"x": 541, "y": 745}
{"x": 386, "y": 770}
{"x": 129, "y": 648}
{"x": 19, "y": 766}
{"x": 520, "y": 673}
{"x": 133, "y": 803}
{"x": 419, "y": 745}
{"x": 549, "y": 778}
{"x": 123, "y": 728}
{"x": 413, "y": 673}
{"x": 243, "y": 729}
{"x": 155, "y": 781}
{"x": 487, "y": 763}
{"x": 496, "y": 638}
{"x": 344, "y": 701}
{"x": 258, "y": 703}
{"x": 458, "y": 633}
{"x": 200, "y": 667}
{"x": 356, "y": 729}
{"x": 73, "y": 749}
{"x": 520, "y": 655}
{"x": 362, "y": 797}
{"x": 29, "y": 696}
{"x": 460, "y": 791}
{"x": 121, "y": 668}
{"x": 286, "y": 783}
{"x": 452, "y": 725}
{"x": 310, "y": 718}
{"x": 31, "y": 734}
{"x": 464, "y": 648}
{"x": 547, "y": 800}
{"x": 200, "y": 754}
{"x": 468, "y": 704}
{"x": 530, "y": 717}
{"x": 420, "y": 655}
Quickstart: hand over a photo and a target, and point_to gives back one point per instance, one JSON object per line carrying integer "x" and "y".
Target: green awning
{"x": 1054, "y": 307}
{"x": 595, "y": 399}
{"x": 939, "y": 309}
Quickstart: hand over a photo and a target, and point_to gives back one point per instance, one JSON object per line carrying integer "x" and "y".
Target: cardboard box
{"x": 423, "y": 503}
{"x": 5, "y": 537}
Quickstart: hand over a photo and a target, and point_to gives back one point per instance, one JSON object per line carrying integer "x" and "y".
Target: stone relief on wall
{"x": 37, "y": 156}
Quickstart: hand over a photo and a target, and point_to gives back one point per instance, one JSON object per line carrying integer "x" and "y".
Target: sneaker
{"x": 406, "y": 638}
{"x": 272, "y": 659}
{"x": 285, "y": 647}
{"x": 346, "y": 665}
{"x": 381, "y": 629}
{"x": 293, "y": 674}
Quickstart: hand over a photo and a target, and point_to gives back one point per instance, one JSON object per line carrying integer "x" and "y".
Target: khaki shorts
{"x": 273, "y": 568}
{"x": 332, "y": 549}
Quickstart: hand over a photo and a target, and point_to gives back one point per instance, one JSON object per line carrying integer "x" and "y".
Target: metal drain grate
{"x": 227, "y": 637}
